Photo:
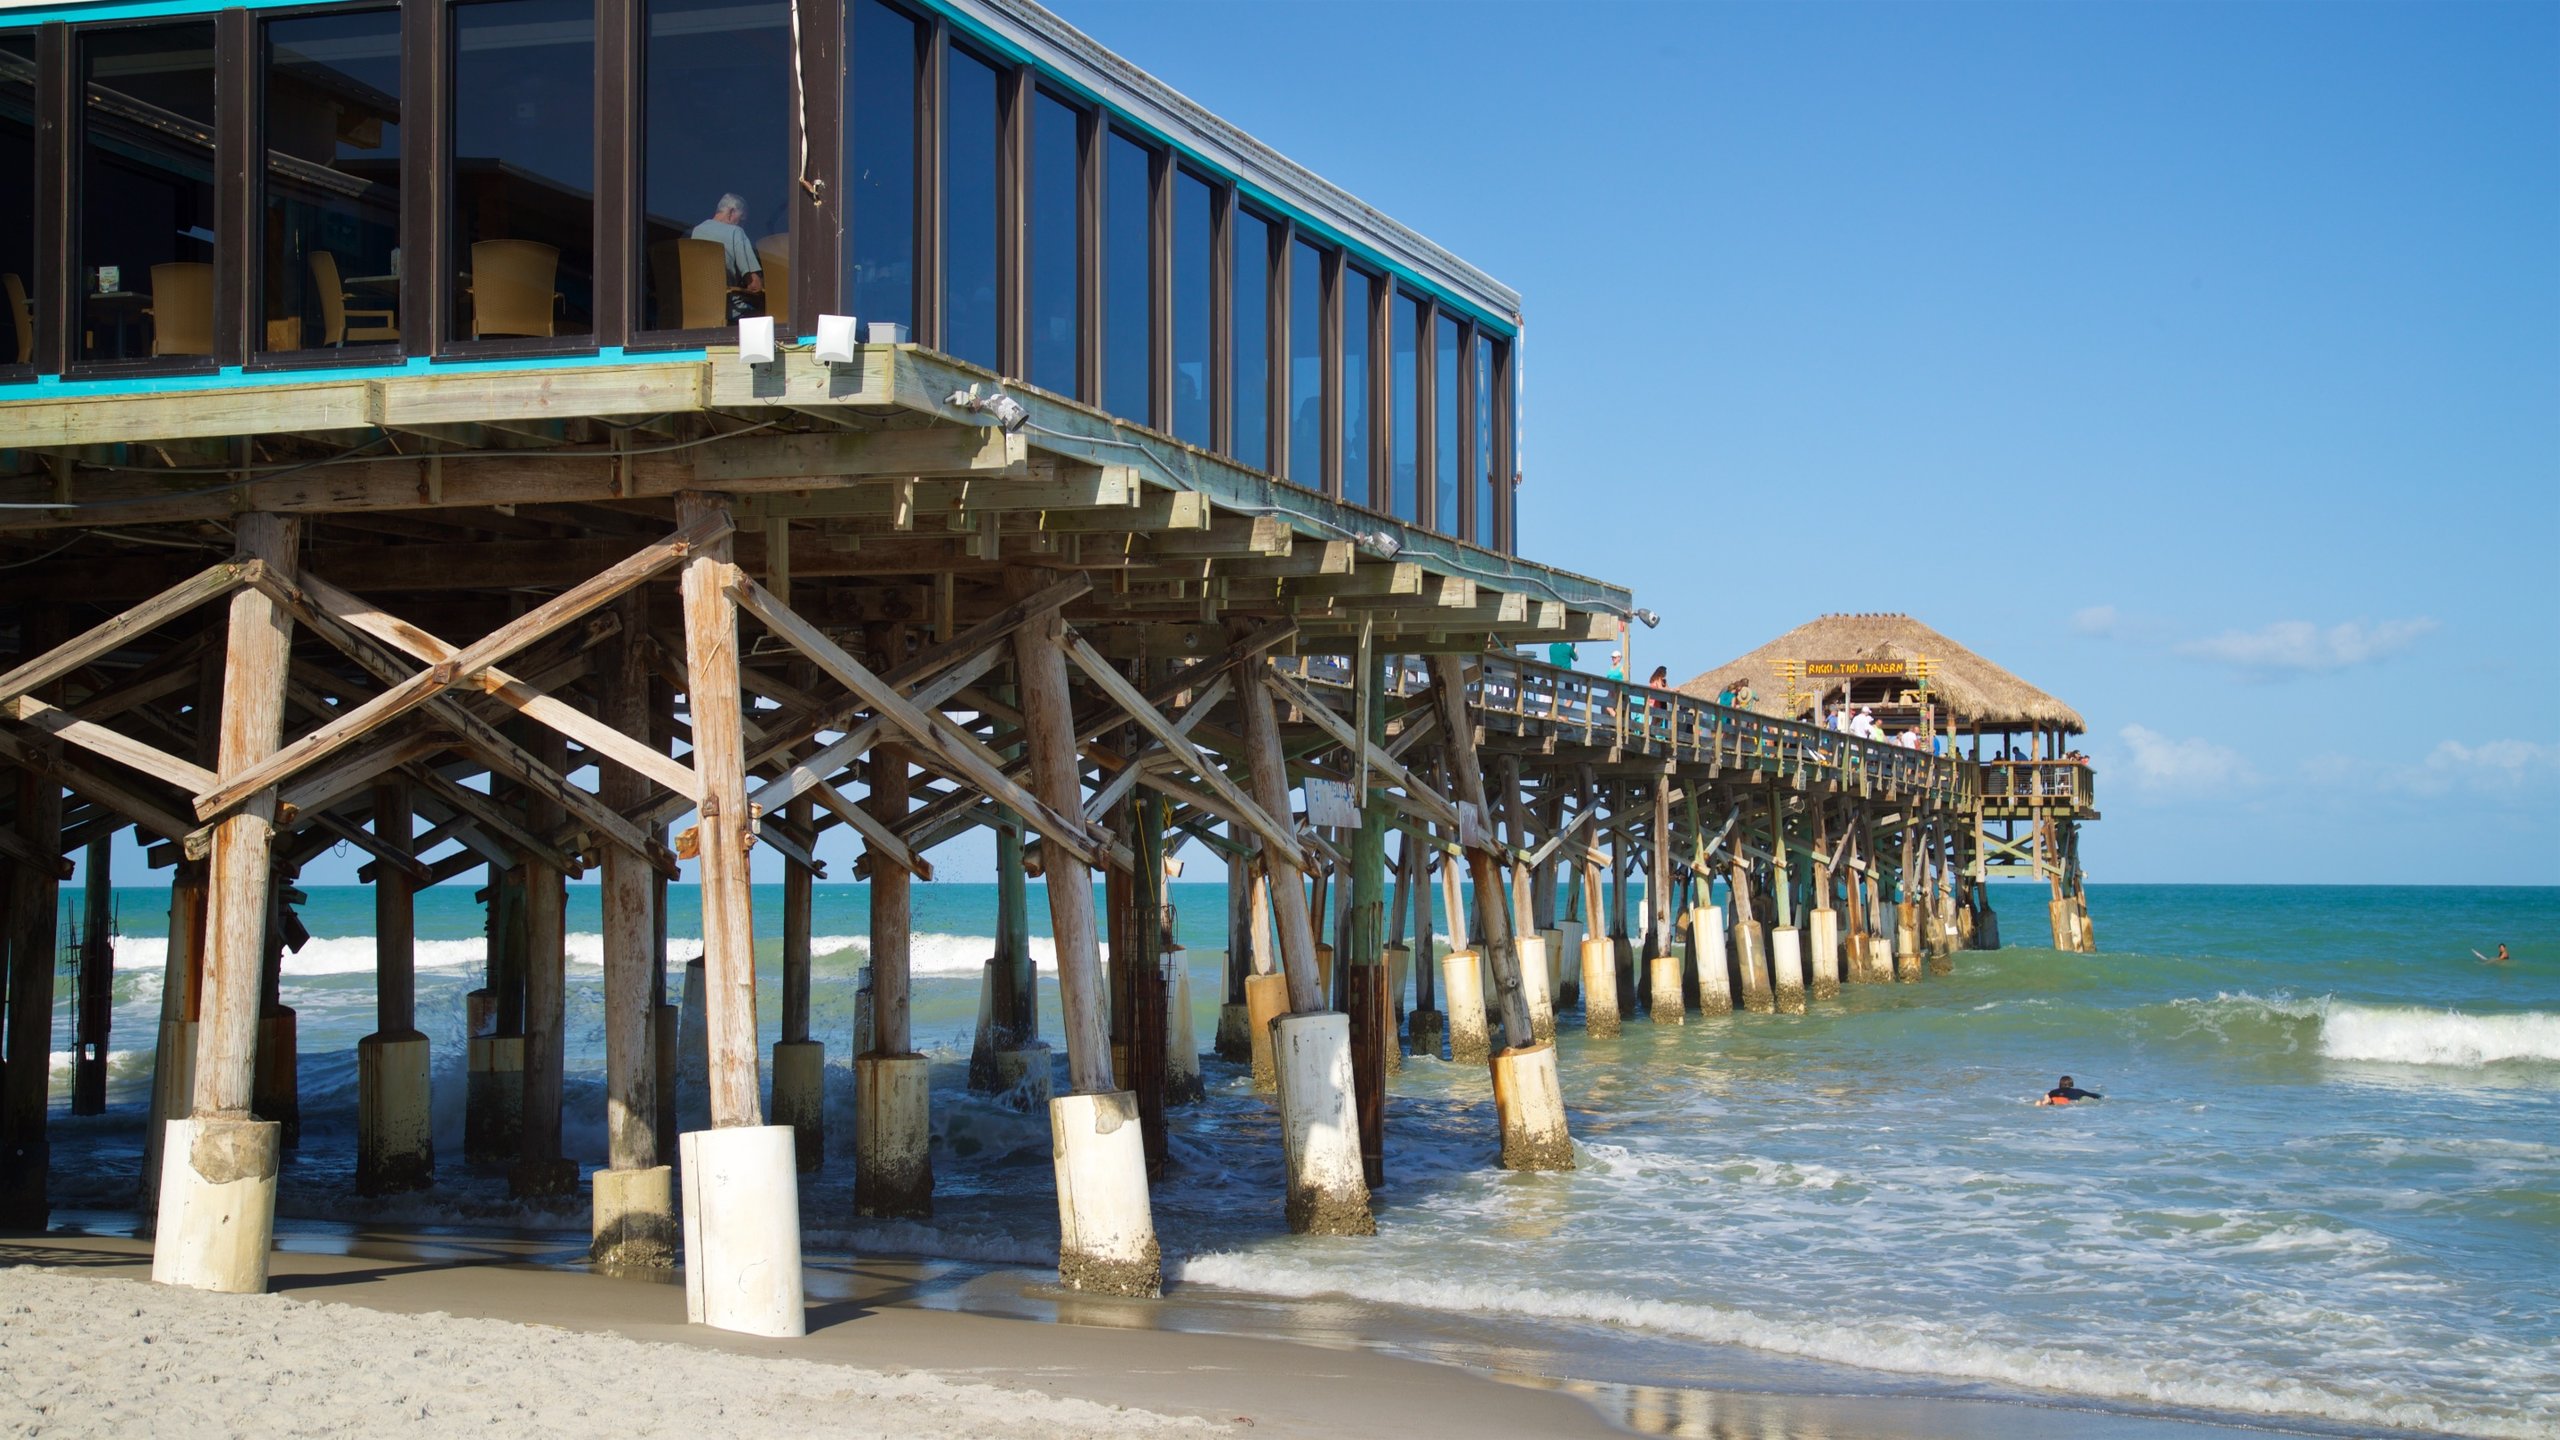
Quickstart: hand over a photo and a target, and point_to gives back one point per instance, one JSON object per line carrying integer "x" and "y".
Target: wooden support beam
{"x": 1493, "y": 916}
{"x": 1431, "y": 803}
{"x": 929, "y": 730}
{"x": 710, "y": 584}
{"x": 99, "y": 740}
{"x": 1171, "y": 736}
{"x": 114, "y": 634}
{"x": 418, "y": 689}
{"x": 1040, "y": 661}
{"x": 627, "y": 902}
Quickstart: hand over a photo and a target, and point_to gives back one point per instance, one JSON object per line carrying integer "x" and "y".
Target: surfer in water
{"x": 2501, "y": 958}
{"x": 2066, "y": 1092}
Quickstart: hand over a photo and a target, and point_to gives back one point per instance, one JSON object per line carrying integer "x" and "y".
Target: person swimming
{"x": 2501, "y": 958}
{"x": 2066, "y": 1092}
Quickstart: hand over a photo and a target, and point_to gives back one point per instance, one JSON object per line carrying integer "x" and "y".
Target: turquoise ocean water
{"x": 2323, "y": 1191}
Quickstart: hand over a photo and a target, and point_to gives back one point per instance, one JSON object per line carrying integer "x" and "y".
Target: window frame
{"x": 323, "y": 357}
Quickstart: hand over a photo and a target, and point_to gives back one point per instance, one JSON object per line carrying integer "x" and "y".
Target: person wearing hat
{"x": 1617, "y": 665}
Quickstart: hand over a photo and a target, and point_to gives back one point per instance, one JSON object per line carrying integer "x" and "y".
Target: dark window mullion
{"x": 1013, "y": 224}
{"x": 1160, "y": 290}
{"x": 619, "y": 146}
{"x": 817, "y": 193}
{"x": 56, "y": 138}
{"x": 1093, "y": 133}
{"x": 1222, "y": 290}
{"x": 236, "y": 134}
{"x": 1469, "y": 524}
{"x": 934, "y": 45}
{"x": 426, "y": 202}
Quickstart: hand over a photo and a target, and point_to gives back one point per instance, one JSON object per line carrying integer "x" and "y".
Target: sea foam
{"x": 2408, "y": 1035}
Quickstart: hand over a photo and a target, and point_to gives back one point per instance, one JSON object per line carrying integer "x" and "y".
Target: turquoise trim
{"x": 231, "y": 377}
{"x": 988, "y": 39}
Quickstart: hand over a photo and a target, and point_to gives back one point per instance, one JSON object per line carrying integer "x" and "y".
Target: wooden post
{"x": 1049, "y": 724}
{"x": 1364, "y": 965}
{"x": 891, "y": 910}
{"x": 1145, "y": 964}
{"x": 798, "y": 884}
{"x": 541, "y": 1169}
{"x": 719, "y": 759}
{"x": 34, "y": 949}
{"x": 395, "y": 1127}
{"x": 1289, "y": 902}
{"x": 217, "y": 1221}
{"x": 97, "y": 978}
{"x": 1493, "y": 910}
{"x": 635, "y": 1221}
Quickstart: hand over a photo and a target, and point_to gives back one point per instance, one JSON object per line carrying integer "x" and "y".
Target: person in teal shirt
{"x": 1562, "y": 654}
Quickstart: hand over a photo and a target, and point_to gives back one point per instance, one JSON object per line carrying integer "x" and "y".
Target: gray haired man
{"x": 726, "y": 229}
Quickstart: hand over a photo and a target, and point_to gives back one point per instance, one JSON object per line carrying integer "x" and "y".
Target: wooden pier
{"x": 630, "y": 601}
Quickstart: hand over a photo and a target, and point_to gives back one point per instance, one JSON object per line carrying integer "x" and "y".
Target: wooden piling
{"x": 719, "y": 759}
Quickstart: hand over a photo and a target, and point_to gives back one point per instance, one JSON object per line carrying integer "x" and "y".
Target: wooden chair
{"x": 692, "y": 280}
{"x": 511, "y": 287}
{"x": 775, "y": 252}
{"x": 334, "y": 313}
{"x": 181, "y": 308}
{"x": 22, "y": 314}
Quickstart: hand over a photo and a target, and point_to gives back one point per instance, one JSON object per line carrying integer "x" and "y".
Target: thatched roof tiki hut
{"x": 1887, "y": 662}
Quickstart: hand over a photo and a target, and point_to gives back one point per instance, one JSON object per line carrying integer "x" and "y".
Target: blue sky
{"x": 2199, "y": 363}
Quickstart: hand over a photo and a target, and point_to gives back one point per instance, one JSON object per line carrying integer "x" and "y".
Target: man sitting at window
{"x": 726, "y": 229}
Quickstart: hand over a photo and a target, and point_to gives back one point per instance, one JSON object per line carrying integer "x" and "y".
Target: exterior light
{"x": 1009, "y": 414}
{"x": 837, "y": 337}
{"x": 1650, "y": 618}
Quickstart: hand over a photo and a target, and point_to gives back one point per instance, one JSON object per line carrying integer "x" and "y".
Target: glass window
{"x": 18, "y": 184}
{"x": 1355, "y": 388}
{"x": 1446, "y": 377}
{"x": 1194, "y": 211}
{"x": 330, "y": 258}
{"x": 1128, "y": 301}
{"x": 1487, "y": 529}
{"x": 1405, "y": 340}
{"x": 1249, "y": 343}
{"x": 146, "y": 192}
{"x": 523, "y": 170}
{"x": 1054, "y": 326}
{"x": 1306, "y": 365}
{"x": 880, "y": 159}
{"x": 969, "y": 118}
{"x": 716, "y": 163}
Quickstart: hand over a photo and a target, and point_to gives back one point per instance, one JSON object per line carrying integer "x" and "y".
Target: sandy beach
{"x": 439, "y": 1333}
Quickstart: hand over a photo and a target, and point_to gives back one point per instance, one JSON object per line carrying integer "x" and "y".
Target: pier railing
{"x": 2049, "y": 783}
{"x": 1525, "y": 697}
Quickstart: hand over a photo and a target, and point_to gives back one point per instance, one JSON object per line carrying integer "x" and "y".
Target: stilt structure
{"x": 986, "y": 564}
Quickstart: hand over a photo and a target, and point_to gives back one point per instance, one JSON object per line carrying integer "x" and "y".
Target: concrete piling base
{"x": 1530, "y": 1101}
{"x": 1018, "y": 1079}
{"x": 742, "y": 1230}
{"x": 1266, "y": 998}
{"x": 1426, "y": 1031}
{"x": 1537, "y": 988}
{"x": 1182, "y": 1083}
{"x": 1751, "y": 961}
{"x": 217, "y": 1204}
{"x": 493, "y": 1100}
{"x": 1786, "y": 968}
{"x": 1825, "y": 960}
{"x": 1462, "y": 992}
{"x": 1235, "y": 1038}
{"x": 1906, "y": 967}
{"x": 395, "y": 1116}
{"x": 1106, "y": 1230}
{"x": 1600, "y": 988}
{"x": 892, "y": 1137}
{"x": 1670, "y": 1006}
{"x": 1552, "y": 939}
{"x": 1320, "y": 1126}
{"x": 1399, "y": 963}
{"x": 800, "y": 1098}
{"x": 1706, "y": 949}
{"x": 173, "y": 1088}
{"x": 1566, "y": 951}
{"x": 275, "y": 1091}
{"x": 635, "y": 1219}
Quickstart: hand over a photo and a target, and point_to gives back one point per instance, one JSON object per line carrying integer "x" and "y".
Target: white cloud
{"x": 2493, "y": 767}
{"x": 2096, "y": 620}
{"x": 2163, "y": 763}
{"x": 2298, "y": 647}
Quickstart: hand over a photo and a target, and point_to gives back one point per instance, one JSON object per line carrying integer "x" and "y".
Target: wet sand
{"x": 896, "y": 1347}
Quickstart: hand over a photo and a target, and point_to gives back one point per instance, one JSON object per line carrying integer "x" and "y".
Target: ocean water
{"x": 2323, "y": 1193}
